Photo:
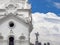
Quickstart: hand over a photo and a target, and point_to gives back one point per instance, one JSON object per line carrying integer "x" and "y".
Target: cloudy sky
{"x": 48, "y": 26}
{"x": 46, "y": 19}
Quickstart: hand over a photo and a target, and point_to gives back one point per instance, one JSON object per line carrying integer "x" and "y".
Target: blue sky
{"x": 45, "y": 6}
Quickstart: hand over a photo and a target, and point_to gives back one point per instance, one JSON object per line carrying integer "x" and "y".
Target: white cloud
{"x": 57, "y": 5}
{"x": 48, "y": 25}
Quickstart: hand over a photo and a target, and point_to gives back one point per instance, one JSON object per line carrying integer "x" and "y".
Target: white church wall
{"x": 17, "y": 30}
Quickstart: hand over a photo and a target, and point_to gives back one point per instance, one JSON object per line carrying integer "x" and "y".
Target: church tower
{"x": 15, "y": 22}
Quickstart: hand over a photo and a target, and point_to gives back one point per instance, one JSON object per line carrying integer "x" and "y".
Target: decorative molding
{"x": 8, "y": 17}
{"x": 22, "y": 37}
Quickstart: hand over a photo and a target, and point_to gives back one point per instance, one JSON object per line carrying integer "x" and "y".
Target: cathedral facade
{"x": 15, "y": 23}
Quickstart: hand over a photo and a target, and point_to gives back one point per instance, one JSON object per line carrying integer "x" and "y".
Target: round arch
{"x": 11, "y": 40}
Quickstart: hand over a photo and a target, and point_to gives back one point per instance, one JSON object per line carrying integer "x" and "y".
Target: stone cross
{"x": 37, "y": 34}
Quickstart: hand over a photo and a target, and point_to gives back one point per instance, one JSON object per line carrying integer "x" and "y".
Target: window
{"x": 48, "y": 43}
{"x": 11, "y": 25}
{"x": 44, "y": 43}
{"x": 39, "y": 43}
{"x": 11, "y": 40}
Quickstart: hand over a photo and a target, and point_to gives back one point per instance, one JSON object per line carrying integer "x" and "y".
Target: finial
{"x": 37, "y": 34}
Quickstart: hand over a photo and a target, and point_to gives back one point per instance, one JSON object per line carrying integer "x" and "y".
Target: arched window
{"x": 44, "y": 43}
{"x": 11, "y": 40}
{"x": 39, "y": 43}
{"x": 48, "y": 43}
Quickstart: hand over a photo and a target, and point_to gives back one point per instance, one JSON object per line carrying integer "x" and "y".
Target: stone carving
{"x": 28, "y": 19}
{"x": 11, "y": 7}
{"x": 22, "y": 37}
{"x": 37, "y": 34}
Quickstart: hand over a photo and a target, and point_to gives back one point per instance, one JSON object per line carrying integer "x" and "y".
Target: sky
{"x": 45, "y": 6}
{"x": 46, "y": 20}
{"x": 47, "y": 25}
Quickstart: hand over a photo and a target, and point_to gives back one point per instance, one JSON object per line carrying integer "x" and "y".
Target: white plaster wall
{"x": 17, "y": 31}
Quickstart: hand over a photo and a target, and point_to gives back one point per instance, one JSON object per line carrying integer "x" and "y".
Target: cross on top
{"x": 37, "y": 34}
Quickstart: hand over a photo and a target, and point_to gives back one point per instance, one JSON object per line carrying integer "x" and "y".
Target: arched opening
{"x": 48, "y": 43}
{"x": 11, "y": 40}
{"x": 44, "y": 43}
